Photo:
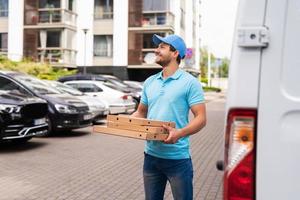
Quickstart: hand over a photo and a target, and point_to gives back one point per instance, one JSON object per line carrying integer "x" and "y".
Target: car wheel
{"x": 136, "y": 103}
{"x": 50, "y": 129}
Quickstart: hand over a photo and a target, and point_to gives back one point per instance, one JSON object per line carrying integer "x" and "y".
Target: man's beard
{"x": 163, "y": 62}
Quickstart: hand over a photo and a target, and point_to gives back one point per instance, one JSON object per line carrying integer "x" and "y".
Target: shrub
{"x": 211, "y": 89}
{"x": 40, "y": 70}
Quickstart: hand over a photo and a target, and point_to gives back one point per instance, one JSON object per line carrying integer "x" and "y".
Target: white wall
{"x": 189, "y": 23}
{"x": 220, "y": 83}
{"x": 85, "y": 11}
{"x": 197, "y": 45}
{"x": 175, "y": 9}
{"x": 15, "y": 29}
{"x": 3, "y": 24}
{"x": 120, "y": 30}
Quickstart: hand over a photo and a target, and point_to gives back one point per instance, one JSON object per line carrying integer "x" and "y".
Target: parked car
{"x": 135, "y": 84}
{"x": 136, "y": 93}
{"x": 75, "y": 77}
{"x": 108, "y": 80}
{"x": 98, "y": 107}
{"x": 120, "y": 83}
{"x": 65, "y": 112}
{"x": 21, "y": 116}
{"x": 119, "y": 102}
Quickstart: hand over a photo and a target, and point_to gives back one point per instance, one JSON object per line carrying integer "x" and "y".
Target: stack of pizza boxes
{"x": 140, "y": 128}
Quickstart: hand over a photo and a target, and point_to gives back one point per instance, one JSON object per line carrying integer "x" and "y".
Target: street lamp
{"x": 218, "y": 65}
{"x": 85, "y": 30}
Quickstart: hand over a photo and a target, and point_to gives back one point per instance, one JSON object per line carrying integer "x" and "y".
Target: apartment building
{"x": 99, "y": 36}
{"x": 3, "y": 26}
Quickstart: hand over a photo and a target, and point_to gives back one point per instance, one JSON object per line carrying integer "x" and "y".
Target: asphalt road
{"x": 82, "y": 165}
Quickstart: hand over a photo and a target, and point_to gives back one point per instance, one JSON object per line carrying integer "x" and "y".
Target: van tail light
{"x": 239, "y": 176}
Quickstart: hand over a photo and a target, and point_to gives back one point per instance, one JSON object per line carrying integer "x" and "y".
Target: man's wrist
{"x": 180, "y": 133}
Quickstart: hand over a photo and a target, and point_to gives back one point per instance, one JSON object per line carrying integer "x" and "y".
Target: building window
{"x": 103, "y": 45}
{"x": 49, "y": 3}
{"x": 154, "y": 5}
{"x": 71, "y": 5}
{"x": 103, "y": 9}
{"x": 53, "y": 38}
{"x": 3, "y": 8}
{"x": 154, "y": 19}
{"x": 3, "y": 42}
{"x": 147, "y": 40}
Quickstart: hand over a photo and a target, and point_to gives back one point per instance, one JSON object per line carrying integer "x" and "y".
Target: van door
{"x": 278, "y": 125}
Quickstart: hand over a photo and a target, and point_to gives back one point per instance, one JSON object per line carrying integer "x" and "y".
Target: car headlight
{"x": 65, "y": 109}
{"x": 10, "y": 108}
{"x": 96, "y": 107}
{"x": 13, "y": 110}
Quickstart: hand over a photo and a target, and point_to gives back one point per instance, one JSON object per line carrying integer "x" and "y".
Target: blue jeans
{"x": 158, "y": 171}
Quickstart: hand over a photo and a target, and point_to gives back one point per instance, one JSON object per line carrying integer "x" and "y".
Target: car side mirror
{"x": 98, "y": 90}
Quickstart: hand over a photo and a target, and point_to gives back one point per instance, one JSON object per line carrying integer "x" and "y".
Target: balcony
{"x": 155, "y": 21}
{"x": 50, "y": 18}
{"x": 56, "y": 56}
{"x": 103, "y": 15}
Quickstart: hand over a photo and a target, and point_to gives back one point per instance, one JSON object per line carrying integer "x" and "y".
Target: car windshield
{"x": 67, "y": 89}
{"x": 36, "y": 85}
{"x": 13, "y": 93}
{"x": 118, "y": 83}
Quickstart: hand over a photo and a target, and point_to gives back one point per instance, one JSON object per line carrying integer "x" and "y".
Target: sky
{"x": 217, "y": 25}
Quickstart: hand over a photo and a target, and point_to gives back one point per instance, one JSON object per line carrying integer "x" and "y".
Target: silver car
{"x": 98, "y": 107}
{"x": 119, "y": 102}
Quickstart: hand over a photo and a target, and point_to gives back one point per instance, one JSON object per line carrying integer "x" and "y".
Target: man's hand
{"x": 141, "y": 111}
{"x": 174, "y": 135}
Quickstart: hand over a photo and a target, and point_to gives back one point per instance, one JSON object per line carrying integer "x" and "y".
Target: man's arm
{"x": 141, "y": 111}
{"x": 193, "y": 127}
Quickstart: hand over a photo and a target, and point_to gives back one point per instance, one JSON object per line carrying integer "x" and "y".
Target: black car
{"x": 108, "y": 80}
{"x": 65, "y": 112}
{"x": 21, "y": 117}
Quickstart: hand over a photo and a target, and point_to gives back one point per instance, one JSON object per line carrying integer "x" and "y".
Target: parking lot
{"x": 85, "y": 165}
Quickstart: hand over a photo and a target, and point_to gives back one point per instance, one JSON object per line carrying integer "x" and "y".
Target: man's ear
{"x": 176, "y": 54}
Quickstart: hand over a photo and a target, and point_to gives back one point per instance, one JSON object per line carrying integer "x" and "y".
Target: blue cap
{"x": 173, "y": 40}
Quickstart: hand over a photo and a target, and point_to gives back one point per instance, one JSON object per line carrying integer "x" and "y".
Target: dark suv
{"x": 21, "y": 117}
{"x": 65, "y": 112}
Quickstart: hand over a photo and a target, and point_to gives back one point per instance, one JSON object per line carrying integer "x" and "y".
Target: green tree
{"x": 224, "y": 64}
{"x": 224, "y": 67}
{"x": 204, "y": 60}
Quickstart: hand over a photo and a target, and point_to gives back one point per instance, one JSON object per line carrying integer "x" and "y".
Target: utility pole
{"x": 209, "y": 68}
{"x": 85, "y": 30}
{"x": 218, "y": 65}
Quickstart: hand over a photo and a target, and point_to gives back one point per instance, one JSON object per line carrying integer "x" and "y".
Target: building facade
{"x": 98, "y": 36}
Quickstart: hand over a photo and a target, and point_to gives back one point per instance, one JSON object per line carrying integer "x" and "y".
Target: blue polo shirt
{"x": 170, "y": 100}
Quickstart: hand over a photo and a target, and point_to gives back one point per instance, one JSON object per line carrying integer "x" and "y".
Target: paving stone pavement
{"x": 82, "y": 165}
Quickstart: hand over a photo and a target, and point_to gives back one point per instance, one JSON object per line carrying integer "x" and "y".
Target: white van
{"x": 262, "y": 139}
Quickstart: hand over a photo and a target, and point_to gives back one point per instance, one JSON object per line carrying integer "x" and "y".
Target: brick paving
{"x": 81, "y": 165}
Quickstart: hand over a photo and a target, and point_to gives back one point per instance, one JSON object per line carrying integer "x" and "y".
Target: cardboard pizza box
{"x": 139, "y": 128}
